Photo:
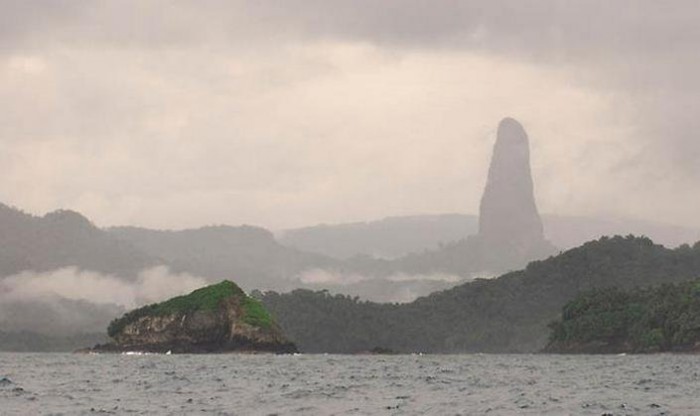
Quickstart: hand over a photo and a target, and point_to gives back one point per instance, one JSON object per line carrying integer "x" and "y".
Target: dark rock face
{"x": 508, "y": 210}
{"x": 509, "y": 223}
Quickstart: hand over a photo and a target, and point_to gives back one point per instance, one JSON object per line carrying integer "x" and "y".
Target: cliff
{"x": 213, "y": 319}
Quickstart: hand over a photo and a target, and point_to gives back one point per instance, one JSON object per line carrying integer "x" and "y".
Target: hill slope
{"x": 390, "y": 237}
{"x": 506, "y": 314}
{"x": 251, "y": 255}
{"x": 396, "y": 237}
{"x": 62, "y": 239}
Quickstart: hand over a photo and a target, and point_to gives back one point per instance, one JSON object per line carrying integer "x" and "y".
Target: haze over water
{"x": 62, "y": 384}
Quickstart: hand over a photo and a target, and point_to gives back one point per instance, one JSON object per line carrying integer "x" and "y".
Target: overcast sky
{"x": 175, "y": 114}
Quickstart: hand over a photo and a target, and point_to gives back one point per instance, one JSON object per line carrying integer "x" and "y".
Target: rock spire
{"x": 508, "y": 212}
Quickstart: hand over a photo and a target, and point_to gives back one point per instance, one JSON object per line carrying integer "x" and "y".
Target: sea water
{"x": 241, "y": 384}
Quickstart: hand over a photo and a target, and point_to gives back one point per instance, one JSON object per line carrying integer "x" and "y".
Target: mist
{"x": 70, "y": 301}
{"x": 396, "y": 287}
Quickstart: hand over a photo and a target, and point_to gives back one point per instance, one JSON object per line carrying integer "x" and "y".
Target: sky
{"x": 175, "y": 114}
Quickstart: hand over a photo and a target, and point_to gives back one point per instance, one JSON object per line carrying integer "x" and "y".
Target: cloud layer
{"x": 68, "y": 300}
{"x": 178, "y": 113}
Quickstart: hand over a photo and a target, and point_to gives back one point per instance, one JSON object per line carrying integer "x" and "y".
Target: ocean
{"x": 243, "y": 384}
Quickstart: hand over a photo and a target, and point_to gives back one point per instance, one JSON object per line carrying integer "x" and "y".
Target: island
{"x": 214, "y": 319}
{"x": 664, "y": 318}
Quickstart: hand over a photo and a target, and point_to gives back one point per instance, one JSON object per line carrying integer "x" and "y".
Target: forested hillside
{"x": 663, "y": 318}
{"x": 506, "y": 314}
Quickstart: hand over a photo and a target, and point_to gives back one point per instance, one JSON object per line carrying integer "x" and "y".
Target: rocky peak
{"x": 508, "y": 210}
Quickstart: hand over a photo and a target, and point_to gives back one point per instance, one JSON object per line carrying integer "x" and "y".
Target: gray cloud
{"x": 543, "y": 29}
{"x": 295, "y": 112}
{"x": 22, "y": 22}
{"x": 644, "y": 48}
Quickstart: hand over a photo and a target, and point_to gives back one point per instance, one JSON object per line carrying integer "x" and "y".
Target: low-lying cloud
{"x": 334, "y": 277}
{"x": 392, "y": 288}
{"x": 152, "y": 285}
{"x": 69, "y": 300}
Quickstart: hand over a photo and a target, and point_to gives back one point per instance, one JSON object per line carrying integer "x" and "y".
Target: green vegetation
{"x": 660, "y": 318}
{"x": 507, "y": 314}
{"x": 255, "y": 313}
{"x": 206, "y": 299}
{"x": 331, "y": 323}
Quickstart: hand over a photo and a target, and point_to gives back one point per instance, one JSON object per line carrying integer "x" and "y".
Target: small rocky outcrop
{"x": 214, "y": 319}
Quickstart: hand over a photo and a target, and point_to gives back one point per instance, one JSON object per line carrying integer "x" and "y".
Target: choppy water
{"x": 349, "y": 385}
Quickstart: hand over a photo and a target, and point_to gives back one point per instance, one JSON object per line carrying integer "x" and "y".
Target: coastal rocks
{"x": 214, "y": 319}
